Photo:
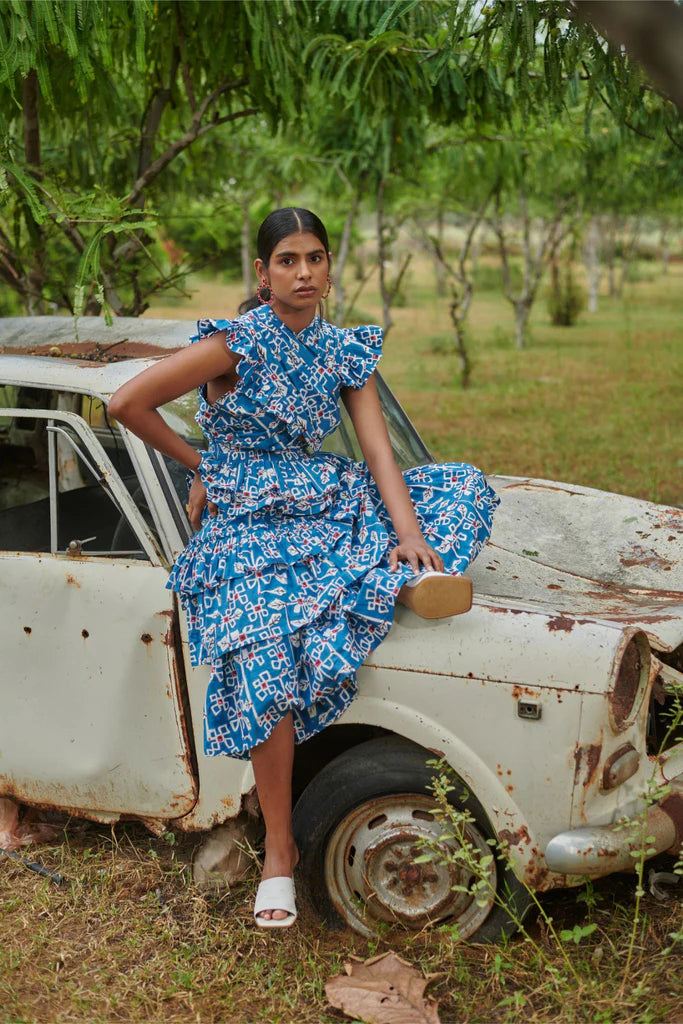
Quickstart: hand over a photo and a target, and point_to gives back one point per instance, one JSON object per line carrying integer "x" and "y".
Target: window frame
{"x": 106, "y": 476}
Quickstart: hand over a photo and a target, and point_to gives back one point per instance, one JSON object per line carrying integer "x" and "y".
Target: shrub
{"x": 566, "y": 298}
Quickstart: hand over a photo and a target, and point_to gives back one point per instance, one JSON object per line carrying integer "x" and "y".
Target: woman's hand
{"x": 415, "y": 549}
{"x": 197, "y": 502}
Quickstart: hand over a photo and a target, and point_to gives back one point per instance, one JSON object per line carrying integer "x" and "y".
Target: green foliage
{"x": 578, "y": 932}
{"x": 136, "y": 113}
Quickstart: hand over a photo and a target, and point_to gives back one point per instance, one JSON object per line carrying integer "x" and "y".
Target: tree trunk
{"x": 665, "y": 251}
{"x": 438, "y": 264}
{"x": 522, "y": 310}
{"x": 382, "y": 256}
{"x": 630, "y": 244}
{"x": 610, "y": 255}
{"x": 340, "y": 263}
{"x": 245, "y": 249}
{"x": 592, "y": 265}
{"x": 463, "y": 356}
{"x": 555, "y": 285}
{"x": 35, "y": 304}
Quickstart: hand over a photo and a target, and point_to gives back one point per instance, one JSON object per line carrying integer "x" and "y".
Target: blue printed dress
{"x": 288, "y": 589}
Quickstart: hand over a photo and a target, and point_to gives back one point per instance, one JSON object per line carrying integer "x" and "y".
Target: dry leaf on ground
{"x": 383, "y": 990}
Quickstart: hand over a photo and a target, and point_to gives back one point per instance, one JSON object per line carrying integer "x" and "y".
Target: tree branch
{"x": 194, "y": 132}
{"x": 155, "y": 110}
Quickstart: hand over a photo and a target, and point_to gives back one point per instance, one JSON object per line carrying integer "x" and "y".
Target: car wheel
{"x": 361, "y": 823}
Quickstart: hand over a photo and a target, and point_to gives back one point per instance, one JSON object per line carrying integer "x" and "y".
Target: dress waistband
{"x": 302, "y": 448}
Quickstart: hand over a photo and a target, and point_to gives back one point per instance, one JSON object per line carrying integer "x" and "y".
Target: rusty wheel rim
{"x": 374, "y": 880}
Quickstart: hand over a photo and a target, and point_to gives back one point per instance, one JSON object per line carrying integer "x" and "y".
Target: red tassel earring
{"x": 265, "y": 287}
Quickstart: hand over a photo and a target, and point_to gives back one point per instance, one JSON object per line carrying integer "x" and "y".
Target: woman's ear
{"x": 260, "y": 268}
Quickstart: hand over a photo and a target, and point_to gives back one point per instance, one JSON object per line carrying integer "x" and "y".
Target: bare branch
{"x": 155, "y": 110}
{"x": 196, "y": 130}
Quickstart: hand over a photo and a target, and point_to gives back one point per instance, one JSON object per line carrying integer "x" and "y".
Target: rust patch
{"x": 94, "y": 352}
{"x": 561, "y": 624}
{"x": 554, "y": 586}
{"x": 72, "y": 580}
{"x": 146, "y": 638}
{"x": 593, "y": 752}
{"x": 28, "y": 630}
{"x": 520, "y": 835}
{"x": 641, "y": 556}
{"x": 537, "y": 875}
{"x": 590, "y": 755}
{"x": 168, "y": 637}
{"x": 85, "y": 634}
{"x": 626, "y": 686}
{"x": 523, "y": 691}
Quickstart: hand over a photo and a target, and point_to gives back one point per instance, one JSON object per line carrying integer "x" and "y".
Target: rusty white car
{"x": 547, "y": 700}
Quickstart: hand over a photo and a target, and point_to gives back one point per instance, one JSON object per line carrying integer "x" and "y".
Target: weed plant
{"x": 564, "y": 961}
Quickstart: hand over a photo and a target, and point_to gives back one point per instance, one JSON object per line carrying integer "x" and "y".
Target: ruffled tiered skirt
{"x": 288, "y": 589}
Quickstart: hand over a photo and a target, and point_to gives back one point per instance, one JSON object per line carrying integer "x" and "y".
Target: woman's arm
{"x": 368, "y": 420}
{"x": 135, "y": 404}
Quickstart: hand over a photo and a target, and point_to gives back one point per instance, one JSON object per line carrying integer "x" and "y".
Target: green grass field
{"x": 127, "y": 938}
{"x": 598, "y": 404}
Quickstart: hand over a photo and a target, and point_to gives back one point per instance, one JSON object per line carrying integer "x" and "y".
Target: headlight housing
{"x": 630, "y": 683}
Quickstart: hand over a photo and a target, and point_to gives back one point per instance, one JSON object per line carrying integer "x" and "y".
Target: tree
{"x": 104, "y": 107}
{"x": 107, "y": 110}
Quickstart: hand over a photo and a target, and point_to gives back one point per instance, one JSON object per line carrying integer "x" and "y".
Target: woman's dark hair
{"x": 290, "y": 220}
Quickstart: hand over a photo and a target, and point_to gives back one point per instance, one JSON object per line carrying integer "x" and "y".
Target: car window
{"x": 82, "y": 515}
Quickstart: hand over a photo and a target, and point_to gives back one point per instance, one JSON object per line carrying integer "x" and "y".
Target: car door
{"x": 91, "y": 708}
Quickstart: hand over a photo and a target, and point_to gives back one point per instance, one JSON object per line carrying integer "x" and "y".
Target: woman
{"x": 292, "y": 577}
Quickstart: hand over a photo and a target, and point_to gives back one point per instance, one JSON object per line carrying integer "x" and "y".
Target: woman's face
{"x": 297, "y": 271}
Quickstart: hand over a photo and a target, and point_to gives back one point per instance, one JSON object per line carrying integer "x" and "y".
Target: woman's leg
{"x": 272, "y": 763}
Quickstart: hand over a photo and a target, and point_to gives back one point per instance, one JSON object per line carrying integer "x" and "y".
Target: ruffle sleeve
{"x": 238, "y": 338}
{"x": 360, "y": 351}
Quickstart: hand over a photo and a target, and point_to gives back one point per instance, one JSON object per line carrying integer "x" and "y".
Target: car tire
{"x": 360, "y": 824}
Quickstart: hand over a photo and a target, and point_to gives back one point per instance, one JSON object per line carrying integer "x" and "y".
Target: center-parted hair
{"x": 290, "y": 220}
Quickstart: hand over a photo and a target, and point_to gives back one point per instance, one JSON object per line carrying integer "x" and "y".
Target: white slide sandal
{"x": 275, "y": 894}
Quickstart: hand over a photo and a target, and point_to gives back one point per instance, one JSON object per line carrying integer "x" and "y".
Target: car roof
{"x": 91, "y": 356}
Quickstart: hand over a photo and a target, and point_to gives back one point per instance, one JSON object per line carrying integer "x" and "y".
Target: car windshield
{"x": 407, "y": 446}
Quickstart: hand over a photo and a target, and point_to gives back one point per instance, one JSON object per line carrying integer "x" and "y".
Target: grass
{"x": 127, "y": 938}
{"x": 597, "y": 404}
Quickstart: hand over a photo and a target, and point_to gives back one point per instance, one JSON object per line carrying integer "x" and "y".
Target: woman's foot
{"x": 279, "y": 863}
{"x": 436, "y": 595}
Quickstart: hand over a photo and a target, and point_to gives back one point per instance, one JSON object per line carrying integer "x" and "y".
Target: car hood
{"x": 585, "y": 553}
